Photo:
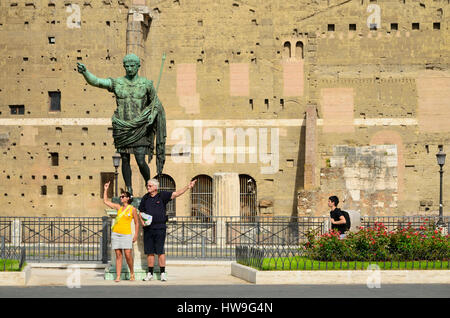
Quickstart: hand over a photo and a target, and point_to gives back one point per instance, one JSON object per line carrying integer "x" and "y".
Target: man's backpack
{"x": 348, "y": 223}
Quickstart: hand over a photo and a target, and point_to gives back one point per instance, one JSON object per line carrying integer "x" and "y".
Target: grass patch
{"x": 10, "y": 265}
{"x": 303, "y": 263}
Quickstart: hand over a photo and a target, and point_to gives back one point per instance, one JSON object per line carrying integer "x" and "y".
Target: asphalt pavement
{"x": 164, "y": 291}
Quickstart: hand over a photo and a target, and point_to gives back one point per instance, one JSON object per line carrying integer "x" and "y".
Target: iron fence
{"x": 273, "y": 230}
{"x": 48, "y": 239}
{"x": 81, "y": 239}
{"x": 12, "y": 258}
{"x": 217, "y": 237}
{"x": 294, "y": 258}
{"x": 393, "y": 223}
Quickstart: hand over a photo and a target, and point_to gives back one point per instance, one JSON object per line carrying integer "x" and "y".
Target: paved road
{"x": 225, "y": 300}
{"x": 159, "y": 290}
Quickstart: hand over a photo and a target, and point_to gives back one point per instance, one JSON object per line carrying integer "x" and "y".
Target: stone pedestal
{"x": 226, "y": 201}
{"x": 139, "y": 257}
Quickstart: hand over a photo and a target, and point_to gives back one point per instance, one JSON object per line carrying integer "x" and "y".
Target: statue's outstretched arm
{"x": 92, "y": 79}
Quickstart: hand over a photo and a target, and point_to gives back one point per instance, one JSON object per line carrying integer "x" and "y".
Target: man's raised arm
{"x": 92, "y": 79}
{"x": 181, "y": 191}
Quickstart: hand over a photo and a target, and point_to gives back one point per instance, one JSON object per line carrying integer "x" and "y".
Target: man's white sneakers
{"x": 150, "y": 277}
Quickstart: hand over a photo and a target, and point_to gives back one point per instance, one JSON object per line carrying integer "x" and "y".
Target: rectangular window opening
{"x": 55, "y": 101}
{"x": 54, "y": 158}
{"x": 331, "y": 27}
{"x": 394, "y": 26}
{"x": 107, "y": 177}
{"x": 17, "y": 109}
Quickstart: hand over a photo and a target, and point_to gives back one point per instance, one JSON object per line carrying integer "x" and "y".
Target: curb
{"x": 15, "y": 278}
{"x": 339, "y": 277}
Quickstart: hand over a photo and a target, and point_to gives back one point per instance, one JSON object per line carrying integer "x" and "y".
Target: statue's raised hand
{"x": 81, "y": 68}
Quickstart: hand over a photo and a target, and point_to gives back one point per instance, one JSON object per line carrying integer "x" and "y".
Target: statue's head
{"x": 131, "y": 63}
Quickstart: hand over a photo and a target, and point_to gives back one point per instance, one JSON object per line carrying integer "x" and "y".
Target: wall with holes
{"x": 374, "y": 72}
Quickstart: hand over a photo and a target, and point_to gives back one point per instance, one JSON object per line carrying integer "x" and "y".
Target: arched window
{"x": 202, "y": 196}
{"x": 166, "y": 183}
{"x": 299, "y": 50}
{"x": 287, "y": 50}
{"x": 247, "y": 189}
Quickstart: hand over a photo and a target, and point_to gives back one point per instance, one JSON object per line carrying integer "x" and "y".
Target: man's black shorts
{"x": 154, "y": 240}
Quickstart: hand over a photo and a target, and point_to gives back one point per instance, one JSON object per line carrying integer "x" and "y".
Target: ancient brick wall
{"x": 310, "y": 75}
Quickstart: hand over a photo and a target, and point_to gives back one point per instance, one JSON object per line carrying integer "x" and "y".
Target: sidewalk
{"x": 185, "y": 272}
{"x": 179, "y": 273}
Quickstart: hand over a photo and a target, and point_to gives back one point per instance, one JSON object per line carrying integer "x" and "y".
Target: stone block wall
{"x": 313, "y": 74}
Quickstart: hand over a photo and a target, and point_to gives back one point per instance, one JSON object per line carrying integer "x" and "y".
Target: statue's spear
{"x": 153, "y": 102}
{"x": 160, "y": 71}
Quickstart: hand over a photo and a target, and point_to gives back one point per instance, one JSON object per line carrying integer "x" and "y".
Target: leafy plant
{"x": 376, "y": 243}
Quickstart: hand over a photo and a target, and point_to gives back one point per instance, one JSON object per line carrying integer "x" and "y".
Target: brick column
{"x": 139, "y": 19}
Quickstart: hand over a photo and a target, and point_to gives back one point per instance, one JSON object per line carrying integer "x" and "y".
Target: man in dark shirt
{"x": 338, "y": 221}
{"x": 154, "y": 204}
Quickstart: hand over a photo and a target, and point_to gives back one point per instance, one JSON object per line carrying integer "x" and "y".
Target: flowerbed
{"x": 378, "y": 244}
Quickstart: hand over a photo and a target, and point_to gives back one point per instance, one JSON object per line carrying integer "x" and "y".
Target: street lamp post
{"x": 441, "y": 161}
{"x": 116, "y": 163}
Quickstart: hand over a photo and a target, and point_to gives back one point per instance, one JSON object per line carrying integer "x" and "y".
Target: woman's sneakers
{"x": 164, "y": 277}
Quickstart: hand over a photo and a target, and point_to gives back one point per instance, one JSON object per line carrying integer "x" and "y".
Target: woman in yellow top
{"x": 121, "y": 232}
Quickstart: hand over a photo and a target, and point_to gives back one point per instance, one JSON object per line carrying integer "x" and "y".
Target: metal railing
{"x": 393, "y": 223}
{"x": 12, "y": 258}
{"x": 49, "y": 239}
{"x": 217, "y": 237}
{"x": 81, "y": 239}
{"x": 291, "y": 258}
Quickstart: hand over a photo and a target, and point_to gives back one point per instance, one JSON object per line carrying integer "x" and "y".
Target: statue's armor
{"x": 132, "y": 98}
